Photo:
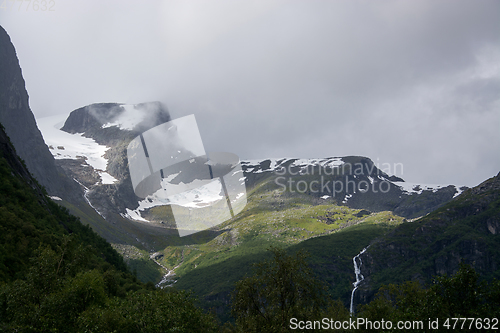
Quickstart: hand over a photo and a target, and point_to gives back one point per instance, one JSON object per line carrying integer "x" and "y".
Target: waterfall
{"x": 359, "y": 276}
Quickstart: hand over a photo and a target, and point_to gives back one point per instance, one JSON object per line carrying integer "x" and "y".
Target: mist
{"x": 415, "y": 83}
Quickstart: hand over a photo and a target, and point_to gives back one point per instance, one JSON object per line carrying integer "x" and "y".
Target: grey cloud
{"x": 400, "y": 81}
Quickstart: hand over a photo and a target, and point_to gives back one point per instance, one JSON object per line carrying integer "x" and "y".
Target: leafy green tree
{"x": 459, "y": 296}
{"x": 280, "y": 289}
{"x": 149, "y": 311}
{"x": 406, "y": 301}
{"x": 61, "y": 293}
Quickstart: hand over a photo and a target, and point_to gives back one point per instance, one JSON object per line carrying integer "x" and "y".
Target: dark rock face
{"x": 358, "y": 183}
{"x": 20, "y": 124}
{"x": 91, "y": 118}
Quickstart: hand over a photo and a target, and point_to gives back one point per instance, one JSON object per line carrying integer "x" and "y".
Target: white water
{"x": 166, "y": 281}
{"x": 85, "y": 195}
{"x": 359, "y": 276}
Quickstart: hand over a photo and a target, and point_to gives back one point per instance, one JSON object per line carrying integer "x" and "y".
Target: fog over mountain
{"x": 416, "y": 83}
{"x": 138, "y": 180}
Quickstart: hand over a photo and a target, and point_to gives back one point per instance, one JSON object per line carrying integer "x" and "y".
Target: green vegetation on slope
{"x": 57, "y": 275}
{"x": 61, "y": 292}
{"x": 449, "y": 302}
{"x": 464, "y": 230}
{"x": 140, "y": 263}
{"x": 284, "y": 295}
{"x": 330, "y": 258}
{"x": 29, "y": 220}
{"x": 270, "y": 218}
{"x": 280, "y": 289}
{"x": 331, "y": 255}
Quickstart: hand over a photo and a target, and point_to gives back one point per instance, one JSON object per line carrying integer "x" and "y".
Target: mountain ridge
{"x": 464, "y": 230}
{"x": 314, "y": 204}
{"x": 20, "y": 125}
{"x": 109, "y": 127}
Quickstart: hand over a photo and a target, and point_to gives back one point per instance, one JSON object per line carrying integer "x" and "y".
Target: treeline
{"x": 63, "y": 291}
{"x": 61, "y": 294}
{"x": 57, "y": 275}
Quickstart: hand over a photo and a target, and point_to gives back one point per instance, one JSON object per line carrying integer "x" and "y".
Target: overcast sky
{"x": 411, "y": 82}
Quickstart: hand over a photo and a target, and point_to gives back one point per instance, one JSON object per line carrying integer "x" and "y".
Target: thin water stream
{"x": 359, "y": 276}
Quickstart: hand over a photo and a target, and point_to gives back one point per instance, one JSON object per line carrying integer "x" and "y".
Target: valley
{"x": 114, "y": 218}
{"x": 287, "y": 206}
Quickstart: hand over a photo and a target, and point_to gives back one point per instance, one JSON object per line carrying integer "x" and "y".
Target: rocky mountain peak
{"x": 95, "y": 118}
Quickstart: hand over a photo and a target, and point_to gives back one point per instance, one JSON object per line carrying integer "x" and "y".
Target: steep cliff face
{"x": 8, "y": 152}
{"x": 20, "y": 124}
{"x": 464, "y": 230}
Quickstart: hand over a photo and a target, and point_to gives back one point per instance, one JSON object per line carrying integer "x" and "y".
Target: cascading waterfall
{"x": 85, "y": 195}
{"x": 359, "y": 276}
{"x": 166, "y": 281}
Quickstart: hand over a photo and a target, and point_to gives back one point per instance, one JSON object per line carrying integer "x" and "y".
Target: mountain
{"x": 333, "y": 207}
{"x": 109, "y": 128}
{"x": 30, "y": 219}
{"x": 102, "y": 171}
{"x": 20, "y": 125}
{"x": 354, "y": 181}
{"x": 337, "y": 203}
{"x": 57, "y": 275}
{"x": 463, "y": 230}
{"x": 90, "y": 146}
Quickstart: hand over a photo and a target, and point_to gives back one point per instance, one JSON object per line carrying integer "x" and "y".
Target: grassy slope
{"x": 330, "y": 257}
{"x": 332, "y": 234}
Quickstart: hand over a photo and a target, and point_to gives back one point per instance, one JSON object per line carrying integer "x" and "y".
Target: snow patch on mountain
{"x": 106, "y": 178}
{"x": 275, "y": 164}
{"x": 459, "y": 190}
{"x": 346, "y": 198}
{"x": 411, "y": 188}
{"x": 64, "y": 145}
{"x": 199, "y": 197}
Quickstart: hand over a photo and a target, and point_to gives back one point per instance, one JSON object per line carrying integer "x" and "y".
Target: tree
{"x": 149, "y": 311}
{"x": 280, "y": 289}
{"x": 459, "y": 296}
